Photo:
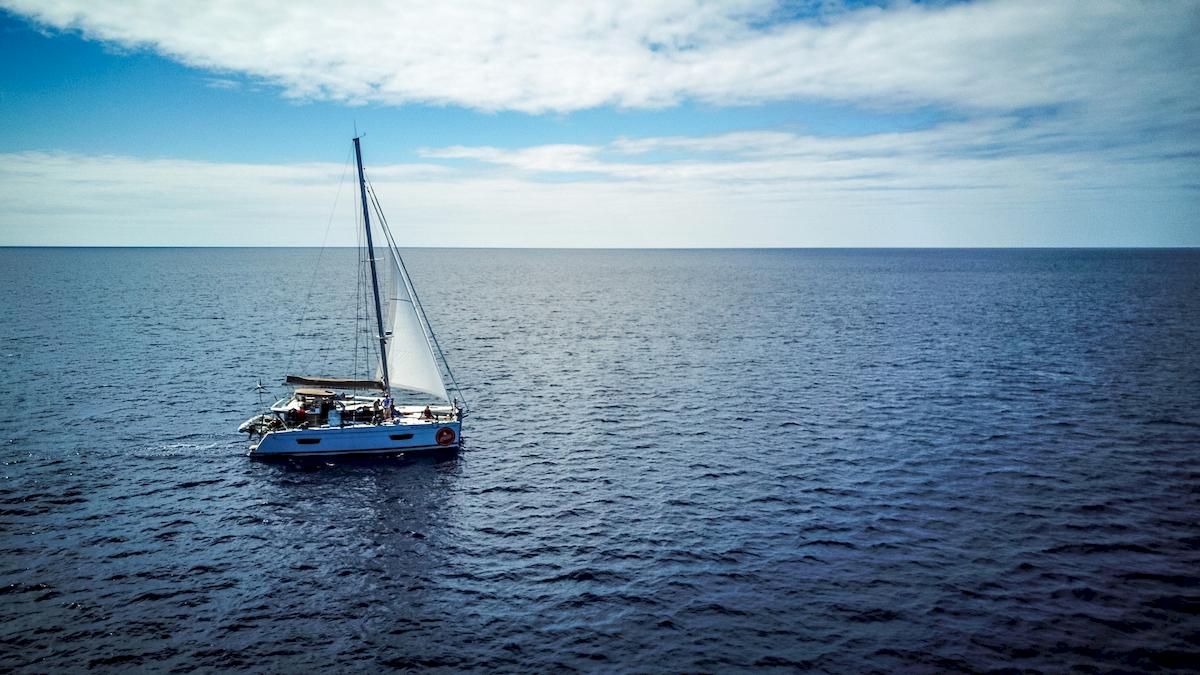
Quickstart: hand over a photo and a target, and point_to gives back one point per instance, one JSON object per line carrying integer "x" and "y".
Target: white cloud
{"x": 989, "y": 153}
{"x": 222, "y": 83}
{"x": 548, "y": 55}
{"x": 58, "y": 198}
{"x": 945, "y": 186}
{"x": 1073, "y": 123}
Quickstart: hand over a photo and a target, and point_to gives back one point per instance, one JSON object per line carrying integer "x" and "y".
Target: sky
{"x": 642, "y": 123}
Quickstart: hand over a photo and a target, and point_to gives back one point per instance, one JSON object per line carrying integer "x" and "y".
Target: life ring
{"x": 444, "y": 436}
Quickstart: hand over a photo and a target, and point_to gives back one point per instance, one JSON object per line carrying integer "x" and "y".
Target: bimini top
{"x": 315, "y": 393}
{"x": 334, "y": 382}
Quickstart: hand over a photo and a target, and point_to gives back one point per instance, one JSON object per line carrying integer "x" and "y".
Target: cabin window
{"x": 401, "y": 437}
{"x": 308, "y": 441}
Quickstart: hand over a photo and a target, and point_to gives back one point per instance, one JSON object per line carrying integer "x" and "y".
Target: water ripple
{"x": 839, "y": 461}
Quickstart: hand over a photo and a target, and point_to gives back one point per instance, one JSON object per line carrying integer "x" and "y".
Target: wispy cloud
{"x": 1000, "y": 153}
{"x": 746, "y": 189}
{"x": 222, "y": 83}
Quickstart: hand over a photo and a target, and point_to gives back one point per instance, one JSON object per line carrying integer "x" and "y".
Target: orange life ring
{"x": 444, "y": 436}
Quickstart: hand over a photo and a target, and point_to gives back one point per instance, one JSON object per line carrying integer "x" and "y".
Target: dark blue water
{"x": 675, "y": 461}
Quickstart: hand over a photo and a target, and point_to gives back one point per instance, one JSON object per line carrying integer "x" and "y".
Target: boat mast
{"x": 362, "y": 187}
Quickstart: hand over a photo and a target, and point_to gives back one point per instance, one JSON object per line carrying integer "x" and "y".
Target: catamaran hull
{"x": 358, "y": 440}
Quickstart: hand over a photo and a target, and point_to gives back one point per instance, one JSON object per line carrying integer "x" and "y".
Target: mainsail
{"x": 410, "y": 360}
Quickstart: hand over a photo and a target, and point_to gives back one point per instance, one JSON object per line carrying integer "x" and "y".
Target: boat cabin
{"x": 312, "y": 407}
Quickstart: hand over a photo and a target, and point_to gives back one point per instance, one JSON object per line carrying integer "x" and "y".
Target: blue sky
{"x": 657, "y": 123}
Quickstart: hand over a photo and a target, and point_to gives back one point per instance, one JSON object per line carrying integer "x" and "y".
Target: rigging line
{"x": 358, "y": 297}
{"x": 316, "y": 268}
{"x": 387, "y": 231}
{"x": 362, "y": 319}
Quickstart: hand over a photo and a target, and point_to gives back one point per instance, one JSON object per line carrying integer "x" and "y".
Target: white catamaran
{"x": 409, "y": 406}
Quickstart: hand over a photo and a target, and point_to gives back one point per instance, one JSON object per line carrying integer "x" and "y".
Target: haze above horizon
{"x": 663, "y": 124}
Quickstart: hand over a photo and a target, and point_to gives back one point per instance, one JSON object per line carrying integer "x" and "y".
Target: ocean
{"x": 827, "y": 460}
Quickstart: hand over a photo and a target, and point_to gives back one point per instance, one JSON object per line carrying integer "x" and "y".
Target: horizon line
{"x": 625, "y": 248}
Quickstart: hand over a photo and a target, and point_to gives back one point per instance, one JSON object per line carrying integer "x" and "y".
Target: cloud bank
{"x": 546, "y": 55}
{"x": 946, "y": 186}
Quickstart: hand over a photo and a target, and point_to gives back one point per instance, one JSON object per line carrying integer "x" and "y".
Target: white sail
{"x": 411, "y": 364}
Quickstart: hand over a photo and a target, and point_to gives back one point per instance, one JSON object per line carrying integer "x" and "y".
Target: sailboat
{"x": 412, "y": 404}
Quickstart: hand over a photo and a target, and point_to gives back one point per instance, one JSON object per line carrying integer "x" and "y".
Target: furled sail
{"x": 410, "y": 359}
